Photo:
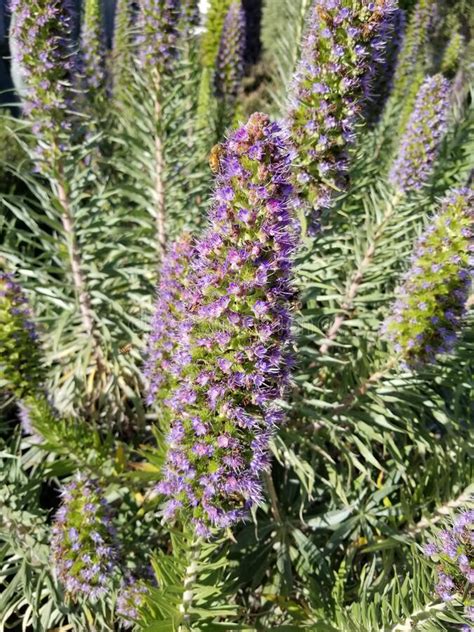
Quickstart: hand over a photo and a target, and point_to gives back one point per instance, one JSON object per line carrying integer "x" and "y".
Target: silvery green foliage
{"x": 374, "y": 455}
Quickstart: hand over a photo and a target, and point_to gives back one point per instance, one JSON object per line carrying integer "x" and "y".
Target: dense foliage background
{"x": 113, "y": 145}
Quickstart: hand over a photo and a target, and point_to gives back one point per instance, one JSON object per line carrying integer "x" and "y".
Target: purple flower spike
{"x": 431, "y": 302}
{"x": 230, "y": 57}
{"x": 40, "y": 41}
{"x": 83, "y": 548}
{"x": 20, "y": 354}
{"x": 235, "y": 319}
{"x": 93, "y": 49}
{"x": 421, "y": 140}
{"x": 343, "y": 40}
{"x": 158, "y": 33}
{"x": 453, "y": 552}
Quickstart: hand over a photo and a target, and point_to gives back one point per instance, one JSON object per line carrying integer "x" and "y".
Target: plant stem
{"x": 361, "y": 390}
{"x": 78, "y": 278}
{"x": 357, "y": 277}
{"x": 189, "y": 580}
{"x": 159, "y": 189}
{"x": 273, "y": 497}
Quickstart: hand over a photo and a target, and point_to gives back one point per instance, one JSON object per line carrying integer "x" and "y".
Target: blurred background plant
{"x": 108, "y": 154}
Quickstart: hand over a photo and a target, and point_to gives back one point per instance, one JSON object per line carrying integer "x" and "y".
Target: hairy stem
{"x": 358, "y": 276}
{"x": 79, "y": 282}
{"x": 190, "y": 577}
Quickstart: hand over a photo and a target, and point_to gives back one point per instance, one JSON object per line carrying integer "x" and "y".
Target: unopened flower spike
{"x": 431, "y": 302}
{"x": 20, "y": 353}
{"x": 83, "y": 547}
{"x": 412, "y": 58}
{"x": 421, "y": 141}
{"x": 93, "y": 48}
{"x": 233, "y": 357}
{"x": 344, "y": 38}
{"x": 230, "y": 57}
{"x": 157, "y": 35}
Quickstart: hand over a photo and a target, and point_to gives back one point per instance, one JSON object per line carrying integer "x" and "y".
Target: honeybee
{"x": 126, "y": 348}
{"x": 215, "y": 157}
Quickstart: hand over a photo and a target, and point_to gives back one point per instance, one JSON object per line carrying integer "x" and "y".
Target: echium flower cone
{"x": 343, "y": 39}
{"x": 20, "y": 354}
{"x": 421, "y": 141}
{"x": 40, "y": 41}
{"x": 93, "y": 47}
{"x": 233, "y": 359}
{"x": 230, "y": 58}
{"x": 431, "y": 303}
{"x": 157, "y": 34}
{"x": 83, "y": 548}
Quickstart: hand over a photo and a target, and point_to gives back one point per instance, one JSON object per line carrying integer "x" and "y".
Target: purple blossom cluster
{"x": 40, "y": 39}
{"x": 93, "y": 47}
{"x": 158, "y": 33}
{"x": 431, "y": 302}
{"x": 453, "y": 550}
{"x": 422, "y": 138}
{"x": 83, "y": 549}
{"x": 230, "y": 56}
{"x": 230, "y": 361}
{"x": 20, "y": 355}
{"x": 130, "y": 599}
{"x": 344, "y": 39}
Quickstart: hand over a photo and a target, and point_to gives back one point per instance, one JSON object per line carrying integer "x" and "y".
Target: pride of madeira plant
{"x": 237, "y": 346}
